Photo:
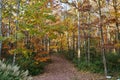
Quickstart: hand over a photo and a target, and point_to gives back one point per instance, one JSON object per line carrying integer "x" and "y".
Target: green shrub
{"x": 96, "y": 64}
{"x": 29, "y": 63}
{"x": 113, "y": 63}
{"x": 95, "y": 67}
{"x": 70, "y": 54}
{"x": 36, "y": 69}
{"x": 9, "y": 72}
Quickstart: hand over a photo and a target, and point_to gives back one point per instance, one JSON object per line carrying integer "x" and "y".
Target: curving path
{"x": 62, "y": 69}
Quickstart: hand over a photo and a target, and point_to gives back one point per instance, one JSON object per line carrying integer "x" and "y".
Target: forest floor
{"x": 62, "y": 69}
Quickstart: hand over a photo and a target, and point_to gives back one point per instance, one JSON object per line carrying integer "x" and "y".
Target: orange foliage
{"x": 42, "y": 56}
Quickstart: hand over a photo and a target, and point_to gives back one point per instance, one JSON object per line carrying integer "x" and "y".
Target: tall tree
{"x": 0, "y": 26}
{"x": 102, "y": 38}
{"x": 17, "y": 26}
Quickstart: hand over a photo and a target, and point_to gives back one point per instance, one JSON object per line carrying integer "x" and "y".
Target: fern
{"x": 9, "y": 72}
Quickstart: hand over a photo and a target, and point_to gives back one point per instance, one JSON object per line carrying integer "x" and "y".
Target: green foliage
{"x": 36, "y": 68}
{"x": 70, "y": 54}
{"x": 2, "y": 38}
{"x": 20, "y": 35}
{"x": 95, "y": 67}
{"x": 113, "y": 63}
{"x": 29, "y": 63}
{"x": 50, "y": 17}
{"x": 9, "y": 72}
{"x": 96, "y": 64}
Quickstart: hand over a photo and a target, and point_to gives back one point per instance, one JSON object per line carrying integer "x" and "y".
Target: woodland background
{"x": 87, "y": 32}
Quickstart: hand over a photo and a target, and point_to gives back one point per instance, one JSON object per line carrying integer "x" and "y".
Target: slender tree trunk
{"x": 67, "y": 33}
{"x": 17, "y": 25}
{"x": 73, "y": 43}
{"x": 102, "y": 39}
{"x": 44, "y": 44}
{"x": 9, "y": 25}
{"x": 48, "y": 44}
{"x": 67, "y": 38}
{"x": 0, "y": 27}
{"x": 85, "y": 50}
{"x": 79, "y": 36}
{"x": 61, "y": 45}
{"x": 88, "y": 51}
{"x": 9, "y": 29}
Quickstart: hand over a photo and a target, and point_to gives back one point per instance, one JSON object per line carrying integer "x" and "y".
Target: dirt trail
{"x": 62, "y": 69}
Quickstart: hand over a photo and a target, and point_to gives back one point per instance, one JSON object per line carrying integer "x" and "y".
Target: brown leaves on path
{"x": 62, "y": 69}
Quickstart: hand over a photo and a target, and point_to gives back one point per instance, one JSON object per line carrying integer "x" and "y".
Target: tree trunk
{"x": 48, "y": 44}
{"x": 61, "y": 45}
{"x": 44, "y": 43}
{"x": 67, "y": 38}
{"x": 17, "y": 25}
{"x": 88, "y": 50}
{"x": 0, "y": 27}
{"x": 102, "y": 39}
{"x": 79, "y": 36}
{"x": 73, "y": 43}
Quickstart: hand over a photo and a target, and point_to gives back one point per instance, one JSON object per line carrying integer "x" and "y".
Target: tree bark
{"x": 17, "y": 25}
{"x": 79, "y": 54}
{"x": 0, "y": 27}
{"x": 88, "y": 51}
{"x": 73, "y": 43}
{"x": 102, "y": 39}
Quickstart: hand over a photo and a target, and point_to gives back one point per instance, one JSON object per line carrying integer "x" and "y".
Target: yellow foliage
{"x": 117, "y": 45}
{"x": 12, "y": 51}
{"x": 42, "y": 57}
{"x": 53, "y": 47}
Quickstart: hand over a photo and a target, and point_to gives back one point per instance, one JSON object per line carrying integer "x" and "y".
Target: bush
{"x": 36, "y": 68}
{"x": 70, "y": 54}
{"x": 95, "y": 67}
{"x": 96, "y": 64}
{"x": 29, "y": 63}
{"x": 9, "y": 72}
{"x": 113, "y": 63}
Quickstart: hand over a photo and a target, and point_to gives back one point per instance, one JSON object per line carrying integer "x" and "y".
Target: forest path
{"x": 62, "y": 69}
